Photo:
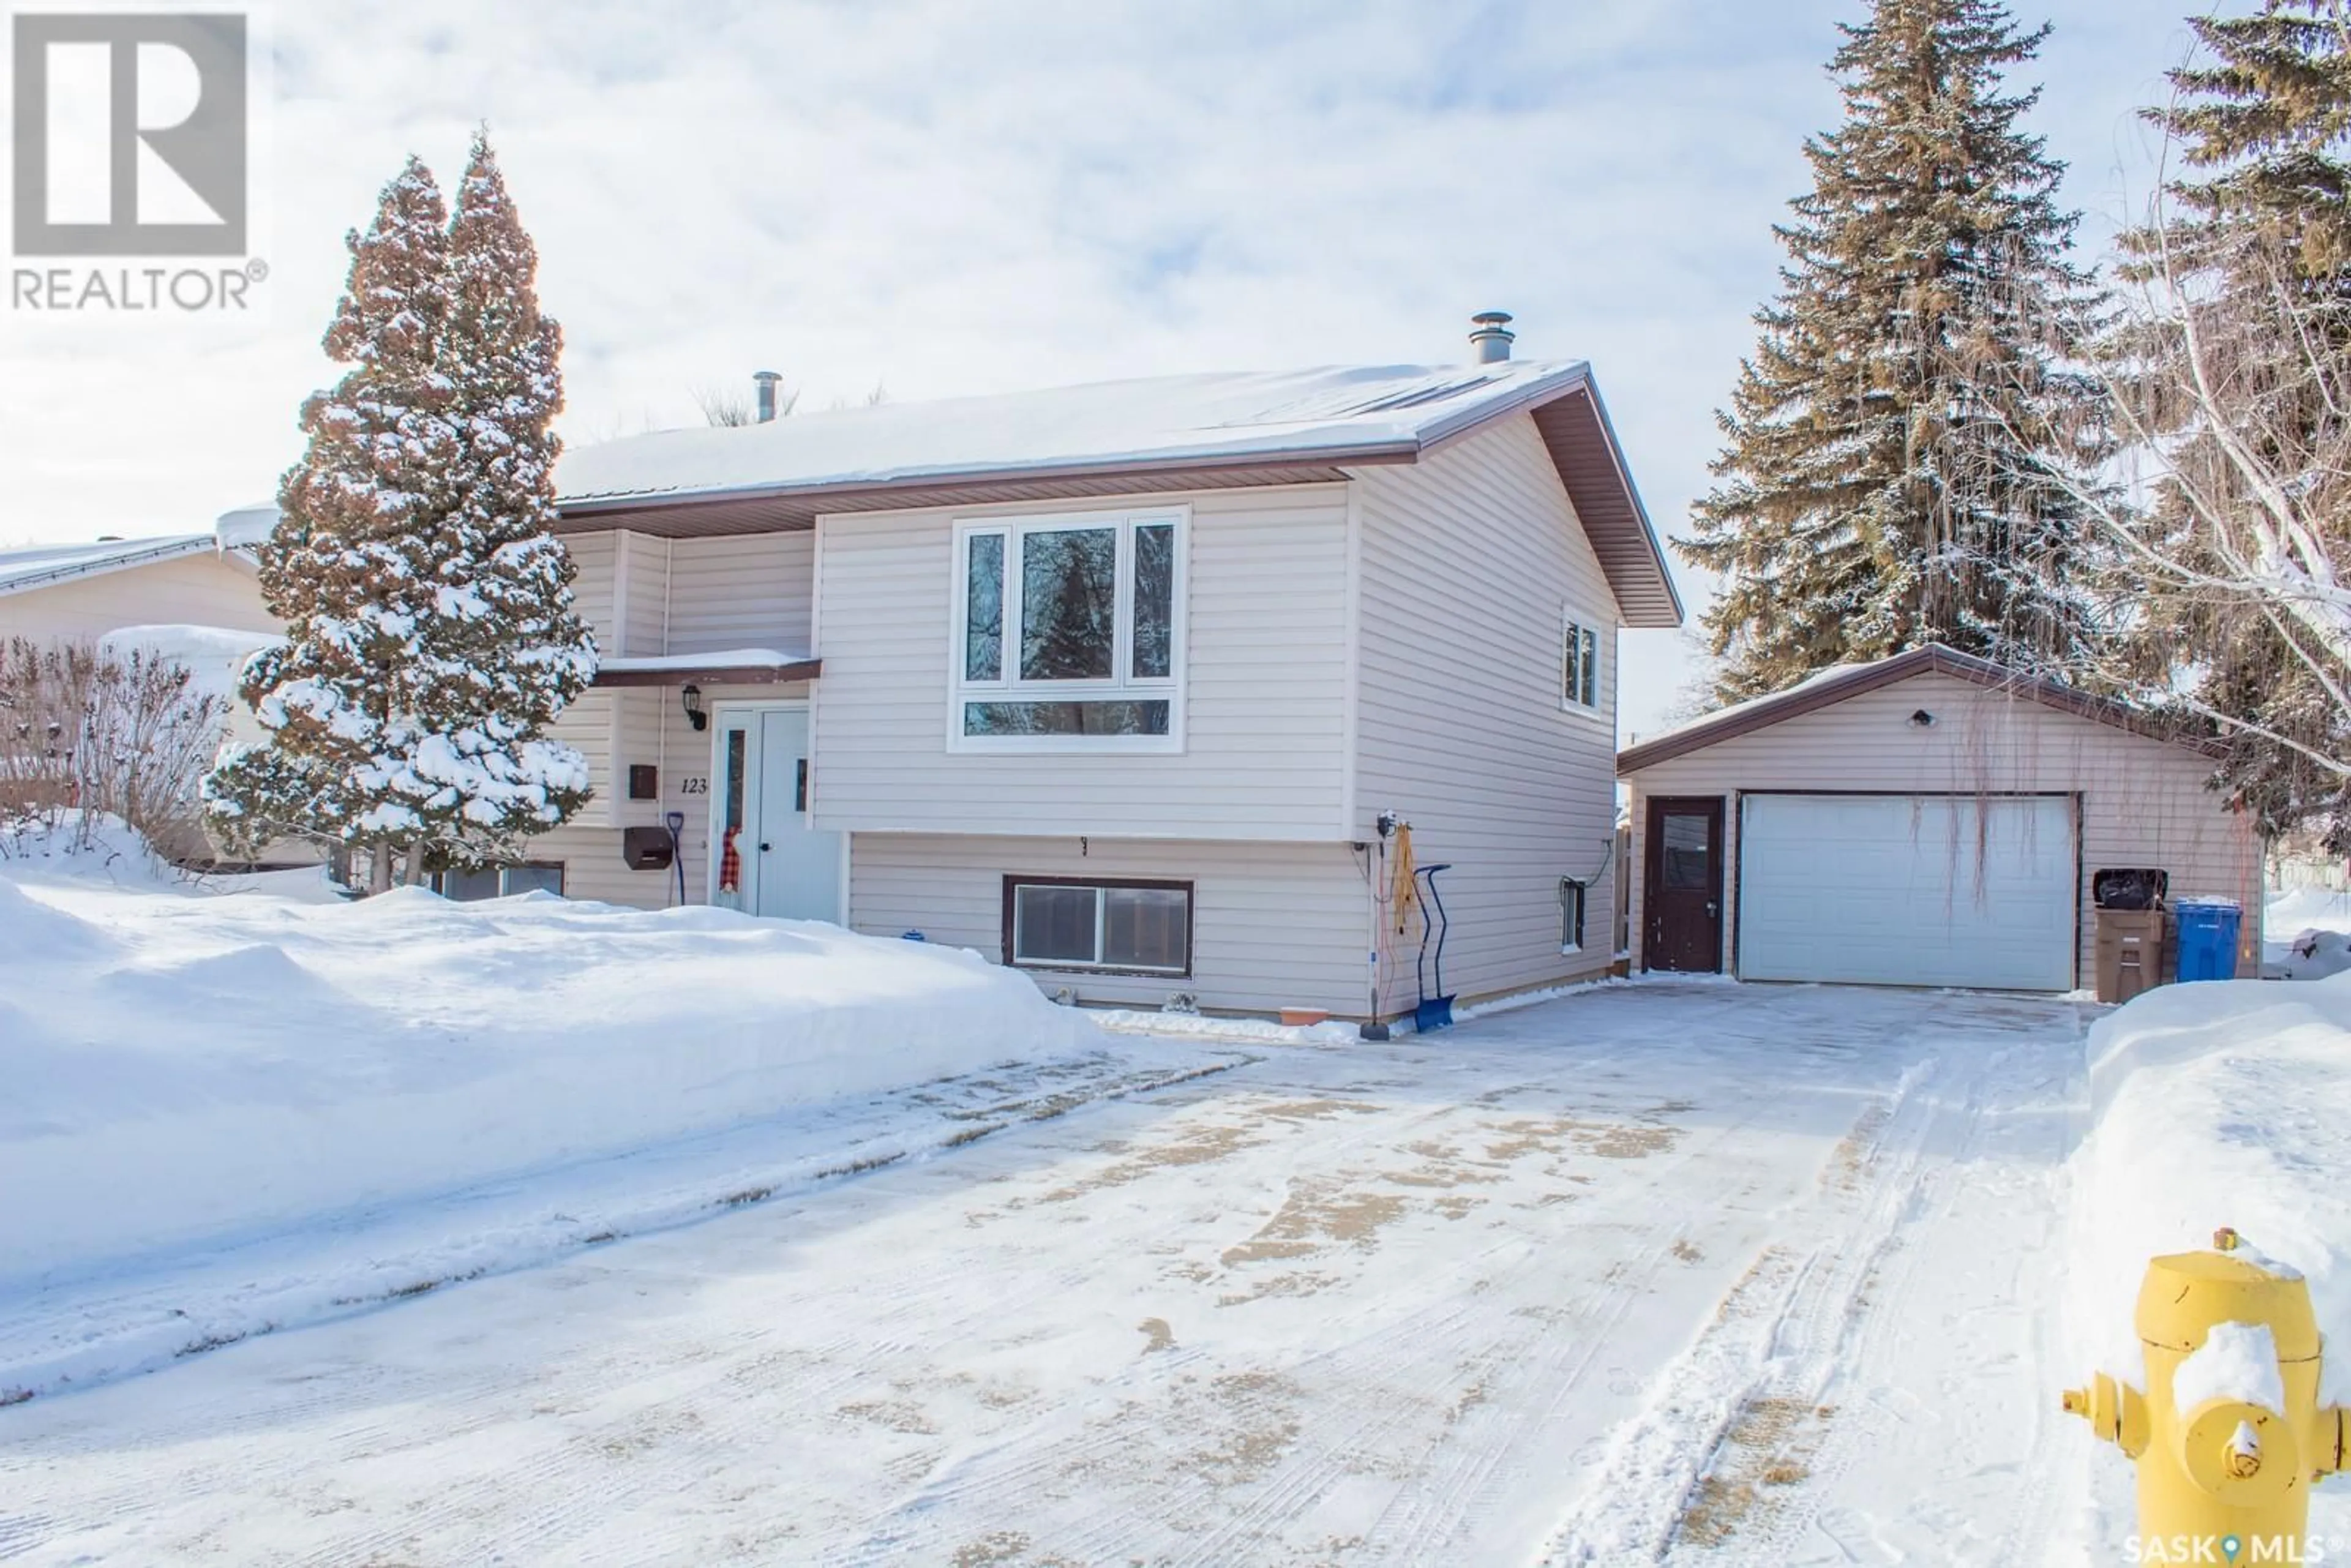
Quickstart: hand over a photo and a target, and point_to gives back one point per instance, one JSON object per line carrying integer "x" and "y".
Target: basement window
{"x": 1068, "y": 633}
{"x": 1570, "y": 915}
{"x": 500, "y": 881}
{"x": 1125, "y": 927}
{"x": 1579, "y": 664}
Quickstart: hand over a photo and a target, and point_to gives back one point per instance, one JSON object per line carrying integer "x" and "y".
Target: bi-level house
{"x": 1116, "y": 682}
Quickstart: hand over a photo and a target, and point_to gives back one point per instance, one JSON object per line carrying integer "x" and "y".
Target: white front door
{"x": 1908, "y": 890}
{"x": 789, "y": 871}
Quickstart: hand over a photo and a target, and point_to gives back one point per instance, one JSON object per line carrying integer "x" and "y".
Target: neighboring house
{"x": 1927, "y": 819}
{"x": 79, "y": 592}
{"x": 1116, "y": 682}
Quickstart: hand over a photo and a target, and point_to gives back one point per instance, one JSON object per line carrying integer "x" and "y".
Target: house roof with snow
{"x": 1840, "y": 682}
{"x": 1191, "y": 432}
{"x": 43, "y": 566}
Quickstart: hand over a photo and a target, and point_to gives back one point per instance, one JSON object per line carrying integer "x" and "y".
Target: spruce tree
{"x": 2259, "y": 133}
{"x": 431, "y": 632}
{"x": 501, "y": 650}
{"x": 1887, "y": 479}
{"x": 349, "y": 567}
{"x": 2261, "y": 121}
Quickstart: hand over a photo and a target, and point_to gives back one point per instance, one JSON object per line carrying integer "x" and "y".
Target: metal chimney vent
{"x": 767, "y": 380}
{"x": 1493, "y": 336}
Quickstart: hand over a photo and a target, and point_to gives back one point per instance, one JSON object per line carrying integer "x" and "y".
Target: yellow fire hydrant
{"x": 2230, "y": 1435}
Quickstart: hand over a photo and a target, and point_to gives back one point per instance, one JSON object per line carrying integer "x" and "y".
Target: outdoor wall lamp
{"x": 692, "y": 697}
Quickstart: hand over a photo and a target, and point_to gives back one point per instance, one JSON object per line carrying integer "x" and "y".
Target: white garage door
{"x": 1907, "y": 890}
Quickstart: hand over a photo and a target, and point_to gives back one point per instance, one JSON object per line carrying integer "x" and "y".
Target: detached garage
{"x": 1928, "y": 820}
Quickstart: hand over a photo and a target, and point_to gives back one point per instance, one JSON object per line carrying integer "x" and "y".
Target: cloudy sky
{"x": 942, "y": 196}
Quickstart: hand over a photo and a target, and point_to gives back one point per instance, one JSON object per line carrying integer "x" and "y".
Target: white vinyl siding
{"x": 2144, "y": 803}
{"x": 695, "y": 596}
{"x": 1466, "y": 561}
{"x": 1273, "y": 924}
{"x": 592, "y": 556}
{"x": 1266, "y": 685}
{"x": 747, "y": 592}
{"x": 641, "y": 590}
{"x": 188, "y": 591}
{"x": 1907, "y": 890}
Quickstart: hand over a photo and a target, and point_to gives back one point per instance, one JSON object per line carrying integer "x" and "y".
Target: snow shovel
{"x": 1432, "y": 1012}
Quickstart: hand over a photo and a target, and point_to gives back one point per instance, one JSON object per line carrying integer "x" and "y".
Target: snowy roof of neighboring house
{"x": 42, "y": 566}
{"x": 1185, "y": 431}
{"x": 1835, "y": 684}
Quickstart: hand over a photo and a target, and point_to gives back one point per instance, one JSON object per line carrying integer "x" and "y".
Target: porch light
{"x": 692, "y": 697}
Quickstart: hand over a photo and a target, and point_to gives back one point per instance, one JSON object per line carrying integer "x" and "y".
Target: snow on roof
{"x": 725, "y": 659}
{"x": 40, "y": 565}
{"x": 248, "y": 526}
{"x": 1330, "y": 415}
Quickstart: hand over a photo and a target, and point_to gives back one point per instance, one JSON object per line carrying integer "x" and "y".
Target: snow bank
{"x": 187, "y": 1072}
{"x": 1227, "y": 1031}
{"x": 2321, "y": 945}
{"x": 2219, "y": 1103}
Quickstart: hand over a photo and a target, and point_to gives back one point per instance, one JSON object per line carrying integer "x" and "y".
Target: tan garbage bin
{"x": 2130, "y": 952}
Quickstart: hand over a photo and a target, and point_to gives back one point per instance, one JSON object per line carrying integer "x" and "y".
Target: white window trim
{"x": 1582, "y": 913}
{"x": 1098, "y": 965}
{"x": 1121, "y": 687}
{"x": 1570, "y": 622}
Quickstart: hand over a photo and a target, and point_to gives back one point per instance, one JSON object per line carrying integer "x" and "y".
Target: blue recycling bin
{"x": 2208, "y": 938}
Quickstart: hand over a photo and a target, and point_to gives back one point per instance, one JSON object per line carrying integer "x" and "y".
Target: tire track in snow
{"x": 1962, "y": 1200}
{"x": 1790, "y": 1307}
{"x": 1368, "y": 1393}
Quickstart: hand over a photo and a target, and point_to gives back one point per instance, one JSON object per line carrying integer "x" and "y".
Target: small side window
{"x": 1578, "y": 664}
{"x": 1570, "y": 915}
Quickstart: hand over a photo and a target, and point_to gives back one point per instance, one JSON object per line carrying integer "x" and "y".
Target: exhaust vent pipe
{"x": 767, "y": 380}
{"x": 1493, "y": 336}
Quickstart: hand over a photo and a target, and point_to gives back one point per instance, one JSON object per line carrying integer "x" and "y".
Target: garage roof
{"x": 1835, "y": 684}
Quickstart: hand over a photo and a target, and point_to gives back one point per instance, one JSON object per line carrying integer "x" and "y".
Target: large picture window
{"x": 1068, "y": 633}
{"x": 1134, "y": 927}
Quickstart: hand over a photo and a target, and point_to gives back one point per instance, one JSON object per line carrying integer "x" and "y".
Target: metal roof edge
{"x": 169, "y": 549}
{"x": 1632, "y": 492}
{"x": 1386, "y": 451}
{"x": 1762, "y": 713}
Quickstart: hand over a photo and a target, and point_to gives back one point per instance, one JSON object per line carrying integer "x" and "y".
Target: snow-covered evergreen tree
{"x": 430, "y": 631}
{"x": 2262, "y": 120}
{"x": 501, "y": 651}
{"x": 348, "y": 566}
{"x": 1885, "y": 481}
{"x": 2258, "y": 227}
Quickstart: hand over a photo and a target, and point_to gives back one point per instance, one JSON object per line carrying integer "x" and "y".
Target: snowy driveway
{"x": 1734, "y": 1273}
